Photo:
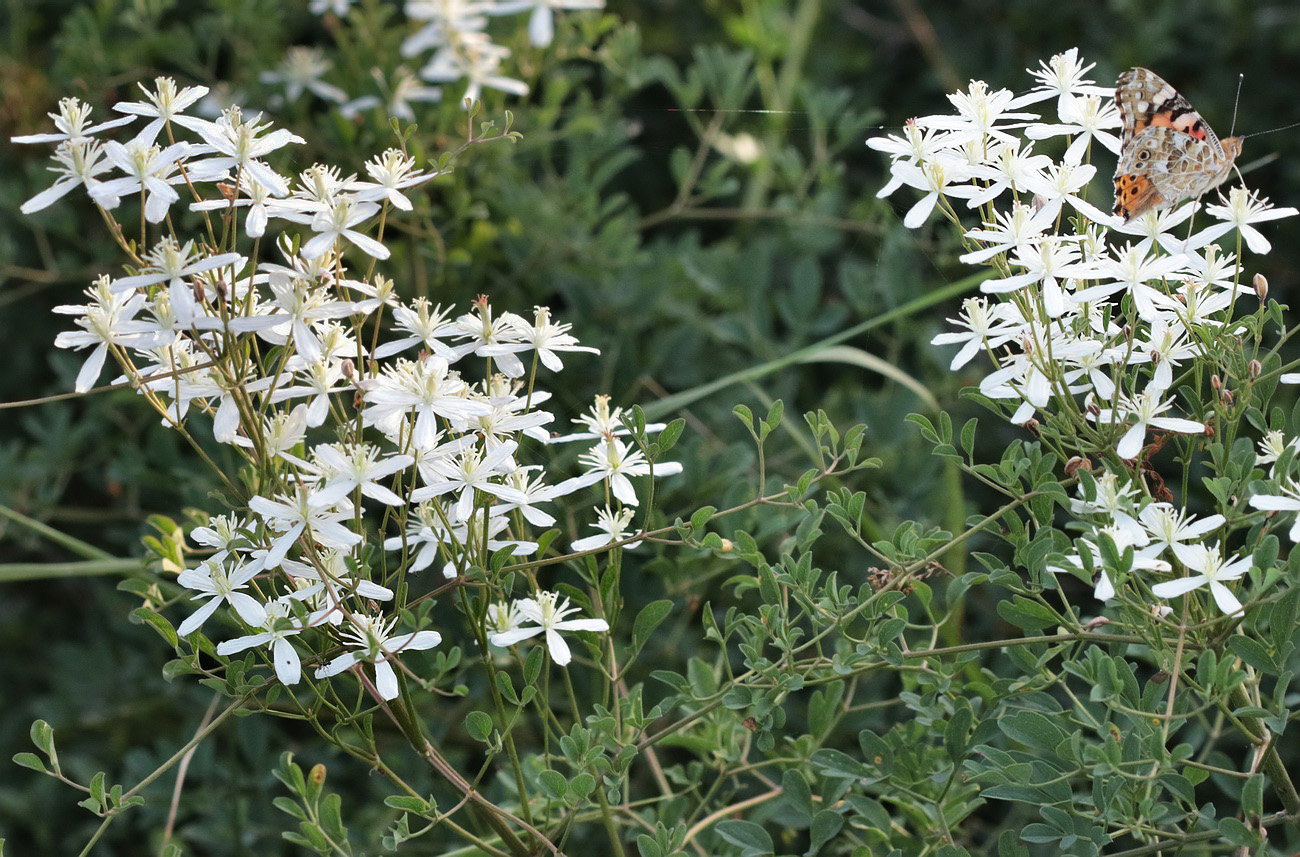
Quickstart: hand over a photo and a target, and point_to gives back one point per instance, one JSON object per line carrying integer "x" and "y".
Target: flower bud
{"x": 1254, "y": 369}
{"x": 1225, "y": 396}
{"x": 1261, "y": 286}
{"x": 349, "y": 369}
{"x": 1094, "y": 409}
{"x": 1077, "y": 463}
{"x": 727, "y": 546}
{"x": 1216, "y": 383}
{"x": 1031, "y": 426}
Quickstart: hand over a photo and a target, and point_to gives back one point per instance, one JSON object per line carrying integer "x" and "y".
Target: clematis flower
{"x": 547, "y": 612}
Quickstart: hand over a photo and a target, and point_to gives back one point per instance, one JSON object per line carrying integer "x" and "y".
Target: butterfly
{"x": 1167, "y": 151}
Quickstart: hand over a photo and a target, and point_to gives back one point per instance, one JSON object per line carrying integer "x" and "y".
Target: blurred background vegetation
{"x": 631, "y": 207}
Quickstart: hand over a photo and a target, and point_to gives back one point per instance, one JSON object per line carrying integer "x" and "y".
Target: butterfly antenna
{"x": 1272, "y": 130}
{"x": 1236, "y": 101}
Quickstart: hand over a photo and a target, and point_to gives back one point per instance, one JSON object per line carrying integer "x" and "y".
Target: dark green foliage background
{"x": 569, "y": 217}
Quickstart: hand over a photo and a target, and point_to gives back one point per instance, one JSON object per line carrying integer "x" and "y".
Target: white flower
{"x": 1019, "y": 228}
{"x": 164, "y": 105}
{"x": 603, "y": 421}
{"x": 1062, "y": 76}
{"x": 1089, "y": 118}
{"x": 426, "y": 389}
{"x": 494, "y": 336}
{"x": 319, "y": 379}
{"x": 1272, "y": 446}
{"x": 425, "y": 326}
{"x": 472, "y": 471}
{"x": 257, "y": 198}
{"x": 987, "y": 328}
{"x": 392, "y": 171}
{"x": 150, "y": 171}
{"x": 404, "y": 89}
{"x": 917, "y": 146}
{"x": 1064, "y": 183}
{"x": 171, "y": 263}
{"x": 1007, "y": 166}
{"x": 79, "y": 162}
{"x": 279, "y": 627}
{"x": 612, "y": 460}
{"x": 375, "y": 642}
{"x": 108, "y": 319}
{"x": 541, "y": 24}
{"x": 336, "y": 221}
{"x": 1243, "y": 208}
{"x": 934, "y": 179}
{"x": 1288, "y": 500}
{"x": 226, "y": 534}
{"x": 337, "y": 7}
{"x": 978, "y": 113}
{"x": 547, "y": 337}
{"x": 301, "y": 69}
{"x": 240, "y": 146}
{"x": 548, "y": 618}
{"x": 613, "y": 527}
{"x": 1171, "y": 528}
{"x": 1145, "y": 408}
{"x": 72, "y": 121}
{"x": 212, "y": 580}
{"x": 345, "y": 468}
{"x": 1046, "y": 264}
{"x": 1214, "y": 572}
{"x": 293, "y": 516}
{"x": 477, "y": 61}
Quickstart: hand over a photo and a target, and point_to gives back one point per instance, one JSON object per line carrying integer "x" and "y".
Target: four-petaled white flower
{"x": 1214, "y": 572}
{"x": 547, "y": 612}
{"x": 373, "y": 641}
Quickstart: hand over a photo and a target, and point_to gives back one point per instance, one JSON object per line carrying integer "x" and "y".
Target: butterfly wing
{"x": 1168, "y": 153}
{"x": 1162, "y": 166}
{"x": 1146, "y": 100}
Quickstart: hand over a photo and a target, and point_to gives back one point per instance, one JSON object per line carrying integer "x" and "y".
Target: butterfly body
{"x": 1168, "y": 153}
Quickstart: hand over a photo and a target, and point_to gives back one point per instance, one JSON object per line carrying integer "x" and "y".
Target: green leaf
{"x": 407, "y": 803}
{"x": 1252, "y": 652}
{"x": 752, "y": 839}
{"x": 42, "y": 735}
{"x": 331, "y": 818}
{"x": 1026, "y": 614}
{"x": 956, "y": 735}
{"x": 702, "y": 516}
{"x": 582, "y": 785}
{"x": 479, "y": 726}
{"x": 835, "y": 763}
{"x": 1033, "y": 729}
{"x": 1252, "y": 796}
{"x": 825, "y": 826}
{"x": 29, "y": 760}
{"x": 647, "y": 620}
{"x": 1237, "y": 833}
{"x": 553, "y": 784}
{"x": 797, "y": 794}
{"x": 775, "y": 413}
{"x": 158, "y": 622}
{"x": 671, "y": 433}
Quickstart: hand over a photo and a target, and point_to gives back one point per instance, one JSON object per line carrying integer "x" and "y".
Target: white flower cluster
{"x": 358, "y": 439}
{"x": 1089, "y": 320}
{"x": 448, "y": 42}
